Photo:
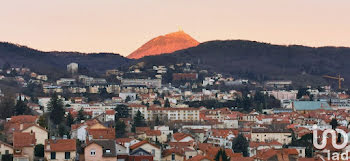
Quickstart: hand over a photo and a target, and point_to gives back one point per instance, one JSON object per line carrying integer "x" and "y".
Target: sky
{"x": 121, "y": 26}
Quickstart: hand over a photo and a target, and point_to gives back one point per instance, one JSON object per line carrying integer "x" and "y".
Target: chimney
{"x": 21, "y": 127}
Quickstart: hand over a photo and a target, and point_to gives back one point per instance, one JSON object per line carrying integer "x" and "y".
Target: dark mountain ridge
{"x": 263, "y": 61}
{"x": 239, "y": 58}
{"x": 56, "y": 62}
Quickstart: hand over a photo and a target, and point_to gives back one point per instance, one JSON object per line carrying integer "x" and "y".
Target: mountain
{"x": 165, "y": 44}
{"x": 262, "y": 61}
{"x": 54, "y": 63}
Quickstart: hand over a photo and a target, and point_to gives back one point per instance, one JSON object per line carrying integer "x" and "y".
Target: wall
{"x": 99, "y": 153}
{"x": 40, "y": 134}
{"x": 60, "y": 156}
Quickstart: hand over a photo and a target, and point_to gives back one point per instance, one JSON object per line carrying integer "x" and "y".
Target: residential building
{"x": 60, "y": 150}
{"x": 153, "y": 149}
{"x": 23, "y": 146}
{"x": 100, "y": 150}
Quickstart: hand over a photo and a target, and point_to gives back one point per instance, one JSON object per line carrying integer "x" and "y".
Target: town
{"x": 164, "y": 113}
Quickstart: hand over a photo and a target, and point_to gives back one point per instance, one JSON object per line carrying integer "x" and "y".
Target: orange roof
{"x": 62, "y": 145}
{"x": 198, "y": 158}
{"x": 178, "y": 151}
{"x": 108, "y": 133}
{"x": 153, "y": 133}
{"x": 223, "y": 132}
{"x": 241, "y": 159}
{"x": 180, "y": 136}
{"x": 142, "y": 130}
{"x": 24, "y": 139}
{"x": 136, "y": 105}
{"x": 141, "y": 143}
{"x": 180, "y": 144}
{"x": 23, "y": 119}
{"x": 110, "y": 112}
{"x": 88, "y": 123}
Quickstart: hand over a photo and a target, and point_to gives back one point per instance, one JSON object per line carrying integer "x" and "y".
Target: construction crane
{"x": 336, "y": 78}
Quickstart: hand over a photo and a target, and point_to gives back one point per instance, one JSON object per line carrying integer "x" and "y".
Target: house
{"x": 23, "y": 145}
{"x": 280, "y": 135}
{"x": 60, "y": 150}
{"x": 79, "y": 131}
{"x": 137, "y": 155}
{"x": 41, "y": 134}
{"x": 222, "y": 137}
{"x": 182, "y": 137}
{"x": 12, "y": 127}
{"x": 109, "y": 115}
{"x": 165, "y": 133}
{"x": 178, "y": 154}
{"x": 107, "y": 133}
{"x": 273, "y": 154}
{"x": 121, "y": 149}
{"x": 199, "y": 158}
{"x": 150, "y": 148}
{"x": 5, "y": 149}
{"x": 254, "y": 147}
{"x": 100, "y": 150}
{"x": 154, "y": 135}
{"x": 174, "y": 154}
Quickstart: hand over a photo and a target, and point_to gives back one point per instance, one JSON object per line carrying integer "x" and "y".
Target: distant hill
{"x": 165, "y": 44}
{"x": 55, "y": 62}
{"x": 262, "y": 61}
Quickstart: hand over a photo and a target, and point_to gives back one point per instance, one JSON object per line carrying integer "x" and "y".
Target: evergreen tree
{"x": 305, "y": 141}
{"x": 127, "y": 99}
{"x": 240, "y": 145}
{"x": 166, "y": 103}
{"x": 221, "y": 156}
{"x": 121, "y": 111}
{"x": 56, "y": 109}
{"x": 120, "y": 128}
{"x": 39, "y": 150}
{"x": 42, "y": 122}
{"x": 302, "y": 92}
{"x": 7, "y": 107}
{"x": 62, "y": 130}
{"x": 157, "y": 121}
{"x": 334, "y": 123}
{"x": 81, "y": 115}
{"x": 21, "y": 108}
{"x": 156, "y": 102}
{"x": 70, "y": 120}
{"x": 6, "y": 66}
{"x": 139, "y": 121}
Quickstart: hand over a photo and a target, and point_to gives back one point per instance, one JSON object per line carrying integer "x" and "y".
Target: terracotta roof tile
{"x": 23, "y": 139}
{"x": 62, "y": 145}
{"x": 140, "y": 144}
{"x": 108, "y": 133}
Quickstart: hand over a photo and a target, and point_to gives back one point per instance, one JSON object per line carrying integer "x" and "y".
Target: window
{"x": 153, "y": 152}
{"x": 93, "y": 152}
{"x": 7, "y": 152}
{"x": 53, "y": 155}
{"x": 66, "y": 155}
{"x": 108, "y": 150}
{"x": 173, "y": 156}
